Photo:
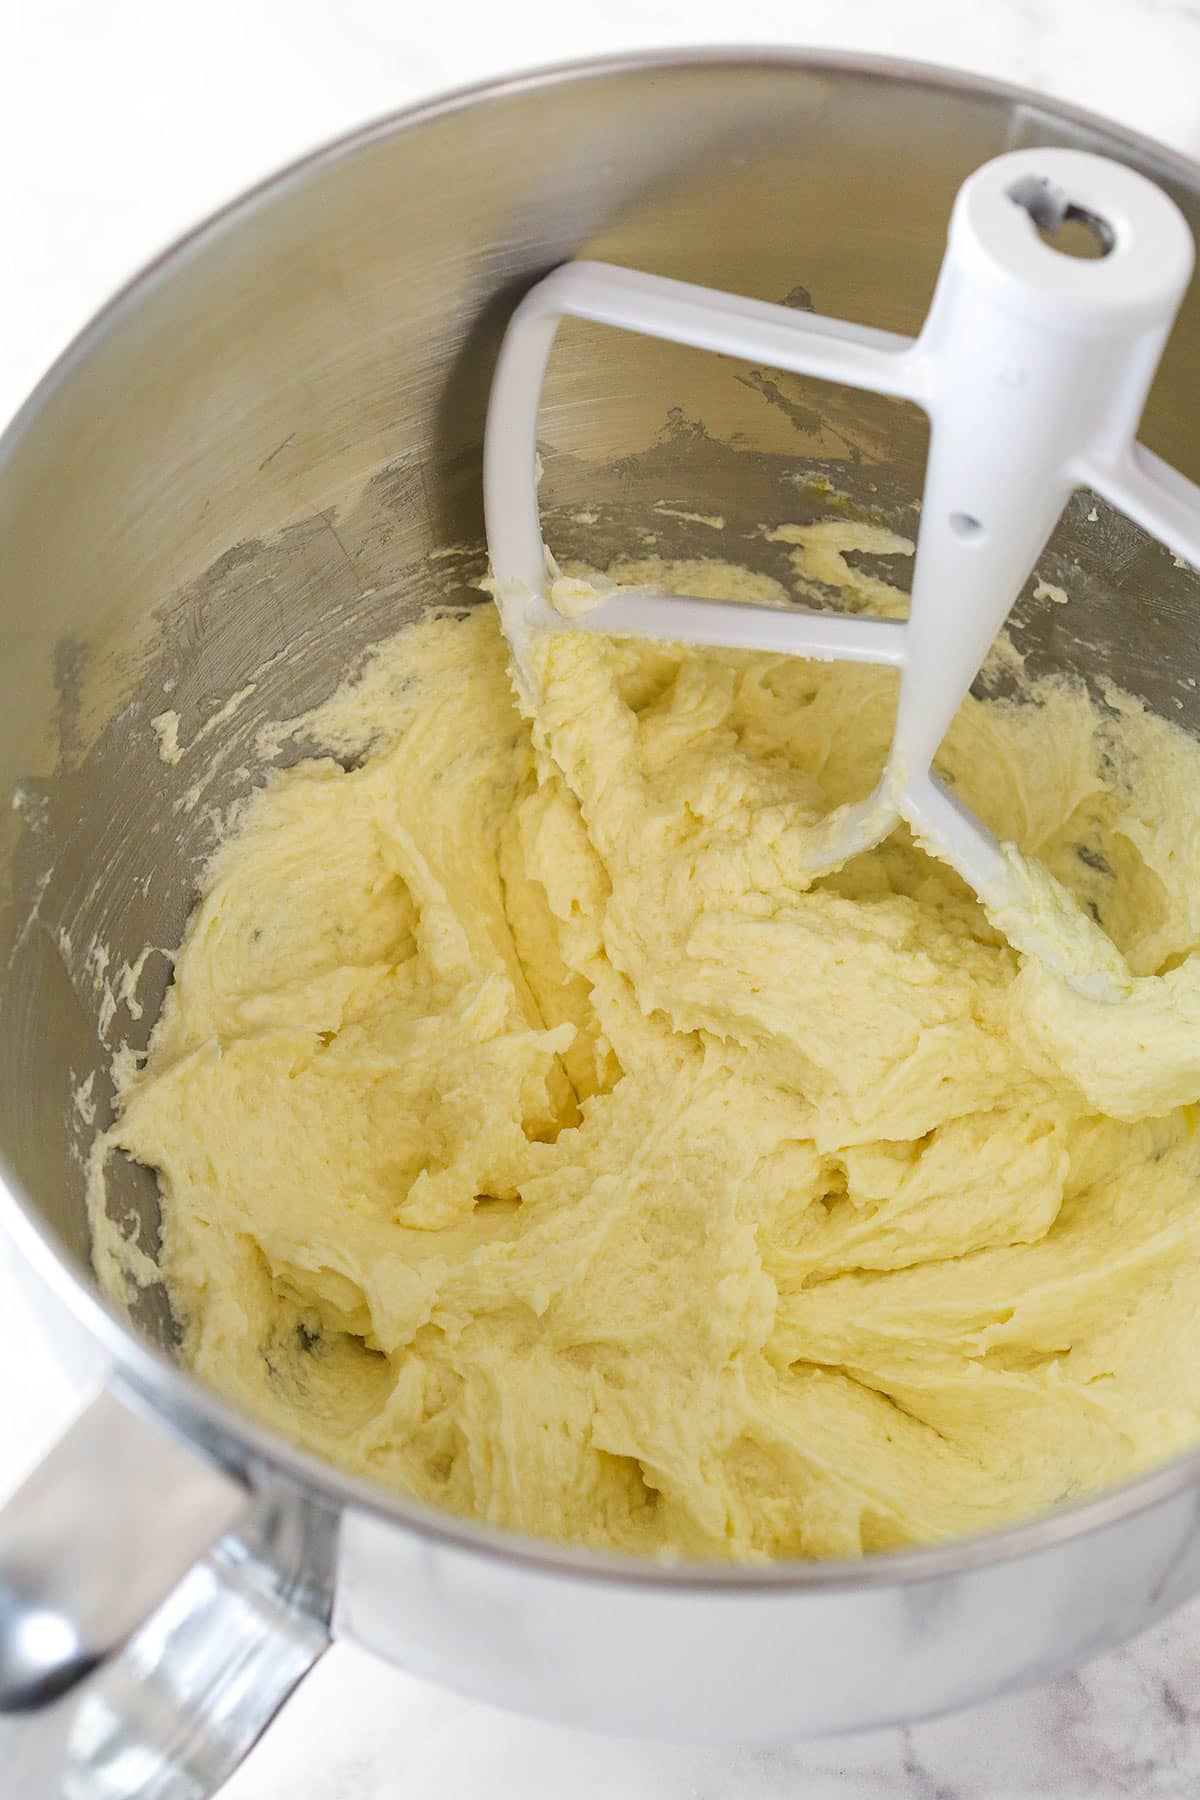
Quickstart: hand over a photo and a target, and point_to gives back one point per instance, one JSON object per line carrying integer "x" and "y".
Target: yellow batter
{"x": 534, "y": 1140}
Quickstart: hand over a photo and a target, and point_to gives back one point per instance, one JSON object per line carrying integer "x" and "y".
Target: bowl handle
{"x": 155, "y": 1612}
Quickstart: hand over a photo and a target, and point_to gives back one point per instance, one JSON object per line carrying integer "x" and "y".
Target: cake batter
{"x": 534, "y": 1138}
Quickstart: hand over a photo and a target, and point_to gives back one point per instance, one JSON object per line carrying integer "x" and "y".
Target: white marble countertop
{"x": 120, "y": 124}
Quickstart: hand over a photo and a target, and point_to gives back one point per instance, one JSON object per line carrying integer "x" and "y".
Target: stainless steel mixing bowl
{"x": 263, "y": 456}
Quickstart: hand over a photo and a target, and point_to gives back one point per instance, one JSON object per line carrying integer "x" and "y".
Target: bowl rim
{"x": 142, "y": 1372}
